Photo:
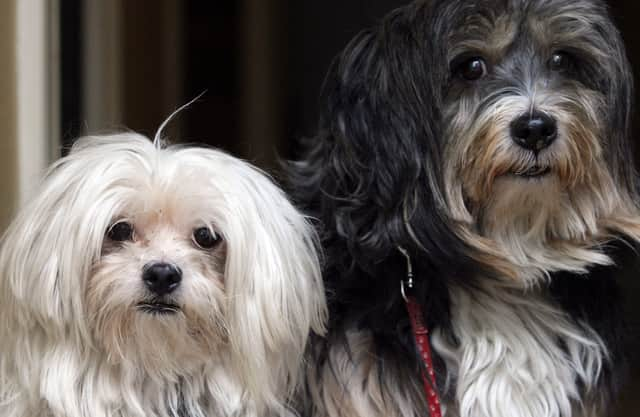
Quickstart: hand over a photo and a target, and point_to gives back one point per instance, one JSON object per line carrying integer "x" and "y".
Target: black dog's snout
{"x": 162, "y": 278}
{"x": 534, "y": 131}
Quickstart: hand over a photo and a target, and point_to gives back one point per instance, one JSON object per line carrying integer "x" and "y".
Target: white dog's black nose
{"x": 534, "y": 131}
{"x": 161, "y": 278}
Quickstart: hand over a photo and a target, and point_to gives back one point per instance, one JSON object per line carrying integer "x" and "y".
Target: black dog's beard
{"x": 541, "y": 209}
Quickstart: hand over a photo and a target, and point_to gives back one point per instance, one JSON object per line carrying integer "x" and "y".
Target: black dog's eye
{"x": 471, "y": 69}
{"x": 205, "y": 238}
{"x": 560, "y": 61}
{"x": 120, "y": 232}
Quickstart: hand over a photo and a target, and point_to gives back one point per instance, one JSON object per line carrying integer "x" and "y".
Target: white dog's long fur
{"x": 72, "y": 343}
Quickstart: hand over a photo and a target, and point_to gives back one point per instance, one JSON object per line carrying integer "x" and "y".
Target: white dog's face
{"x": 157, "y": 293}
{"x": 158, "y": 263}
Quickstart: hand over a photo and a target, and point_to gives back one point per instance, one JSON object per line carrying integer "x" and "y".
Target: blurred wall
{"x": 151, "y": 64}
{"x": 8, "y": 113}
{"x": 29, "y": 87}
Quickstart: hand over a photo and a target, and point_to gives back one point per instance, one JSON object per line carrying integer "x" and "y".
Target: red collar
{"x": 421, "y": 338}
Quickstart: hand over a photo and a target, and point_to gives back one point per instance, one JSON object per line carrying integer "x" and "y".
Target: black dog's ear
{"x": 617, "y": 85}
{"x": 373, "y": 173}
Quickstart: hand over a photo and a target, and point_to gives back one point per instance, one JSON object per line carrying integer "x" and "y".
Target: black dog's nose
{"x": 534, "y": 131}
{"x": 161, "y": 278}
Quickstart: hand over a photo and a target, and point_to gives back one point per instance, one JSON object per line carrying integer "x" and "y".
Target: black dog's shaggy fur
{"x": 376, "y": 178}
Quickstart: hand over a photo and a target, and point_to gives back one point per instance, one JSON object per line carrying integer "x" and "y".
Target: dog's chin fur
{"x": 545, "y": 223}
{"x": 542, "y": 226}
{"x": 516, "y": 272}
{"x": 81, "y": 334}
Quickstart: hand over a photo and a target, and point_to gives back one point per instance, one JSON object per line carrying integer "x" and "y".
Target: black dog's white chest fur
{"x": 508, "y": 353}
{"x": 518, "y": 354}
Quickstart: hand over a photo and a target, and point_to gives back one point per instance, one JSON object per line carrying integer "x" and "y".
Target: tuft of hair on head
{"x": 157, "y": 138}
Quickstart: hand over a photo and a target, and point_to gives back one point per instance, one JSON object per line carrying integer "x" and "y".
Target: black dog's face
{"x": 527, "y": 115}
{"x": 496, "y": 128}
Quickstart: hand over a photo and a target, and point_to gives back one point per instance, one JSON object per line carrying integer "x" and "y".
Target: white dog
{"x": 151, "y": 281}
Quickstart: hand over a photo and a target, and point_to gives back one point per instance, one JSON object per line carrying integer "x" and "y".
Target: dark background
{"x": 261, "y": 63}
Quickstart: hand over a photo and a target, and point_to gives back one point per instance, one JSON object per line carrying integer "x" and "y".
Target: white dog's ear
{"x": 274, "y": 286}
{"x": 49, "y": 249}
{"x": 47, "y": 253}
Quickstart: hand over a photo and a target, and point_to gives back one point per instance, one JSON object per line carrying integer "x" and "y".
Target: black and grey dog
{"x": 490, "y": 139}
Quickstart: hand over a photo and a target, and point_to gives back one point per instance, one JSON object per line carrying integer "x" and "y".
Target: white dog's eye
{"x": 120, "y": 232}
{"x": 205, "y": 238}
